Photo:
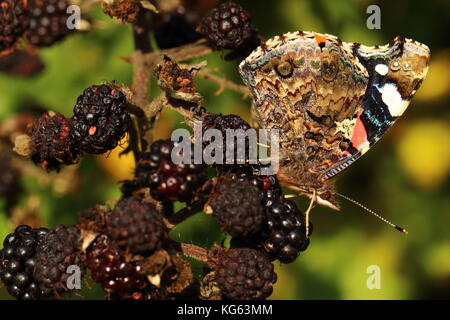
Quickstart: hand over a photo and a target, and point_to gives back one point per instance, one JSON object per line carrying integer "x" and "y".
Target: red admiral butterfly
{"x": 330, "y": 100}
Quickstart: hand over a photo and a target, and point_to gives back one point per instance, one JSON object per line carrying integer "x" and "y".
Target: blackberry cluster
{"x": 237, "y": 206}
{"x": 48, "y": 22}
{"x": 243, "y": 273}
{"x": 110, "y": 268}
{"x": 100, "y": 118}
{"x": 21, "y": 63}
{"x": 222, "y": 123}
{"x": 18, "y": 260}
{"x": 136, "y": 225}
{"x": 59, "y": 249}
{"x": 167, "y": 180}
{"x": 167, "y": 33}
{"x": 125, "y": 10}
{"x": 284, "y": 235}
{"x": 227, "y": 26}
{"x": 13, "y": 22}
{"x": 53, "y": 146}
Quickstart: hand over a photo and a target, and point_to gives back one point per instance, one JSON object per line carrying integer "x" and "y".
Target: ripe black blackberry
{"x": 136, "y": 225}
{"x": 167, "y": 180}
{"x": 59, "y": 249}
{"x": 53, "y": 146}
{"x": 100, "y": 118}
{"x": 237, "y": 206}
{"x": 284, "y": 235}
{"x": 242, "y": 273}
{"x": 48, "y": 22}
{"x": 13, "y": 22}
{"x": 227, "y": 26}
{"x": 21, "y": 63}
{"x": 17, "y": 262}
{"x": 240, "y": 154}
{"x": 269, "y": 186}
{"x": 110, "y": 268}
{"x": 167, "y": 33}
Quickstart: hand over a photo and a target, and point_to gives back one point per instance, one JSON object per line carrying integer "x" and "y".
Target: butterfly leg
{"x": 311, "y": 205}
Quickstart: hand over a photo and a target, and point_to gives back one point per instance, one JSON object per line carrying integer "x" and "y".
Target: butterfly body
{"x": 330, "y": 100}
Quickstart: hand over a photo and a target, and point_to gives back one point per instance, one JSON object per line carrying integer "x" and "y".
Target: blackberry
{"x": 240, "y": 154}
{"x": 59, "y": 249}
{"x": 136, "y": 225}
{"x": 110, "y": 268}
{"x": 243, "y": 273}
{"x": 21, "y": 63}
{"x": 125, "y": 10}
{"x": 48, "y": 22}
{"x": 227, "y": 26}
{"x": 100, "y": 118}
{"x": 53, "y": 145}
{"x": 167, "y": 33}
{"x": 17, "y": 262}
{"x": 269, "y": 186}
{"x": 167, "y": 180}
{"x": 10, "y": 186}
{"x": 284, "y": 236}
{"x": 13, "y": 22}
{"x": 237, "y": 206}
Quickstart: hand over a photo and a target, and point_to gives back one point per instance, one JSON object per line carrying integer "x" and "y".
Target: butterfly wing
{"x": 395, "y": 74}
{"x": 310, "y": 87}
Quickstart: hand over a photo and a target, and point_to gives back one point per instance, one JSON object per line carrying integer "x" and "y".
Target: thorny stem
{"x": 141, "y": 68}
{"x": 224, "y": 83}
{"x": 186, "y": 212}
{"x": 187, "y": 52}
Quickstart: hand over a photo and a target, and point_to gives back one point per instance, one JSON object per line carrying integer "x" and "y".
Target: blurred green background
{"x": 405, "y": 177}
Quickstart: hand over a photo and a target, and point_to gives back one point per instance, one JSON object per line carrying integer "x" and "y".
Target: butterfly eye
{"x": 394, "y": 65}
{"x": 284, "y": 69}
{"x": 329, "y": 71}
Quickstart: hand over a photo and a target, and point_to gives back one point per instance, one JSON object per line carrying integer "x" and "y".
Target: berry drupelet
{"x": 237, "y": 206}
{"x": 242, "y": 273}
{"x": 53, "y": 146}
{"x": 18, "y": 260}
{"x": 167, "y": 180}
{"x": 13, "y": 22}
{"x": 59, "y": 249}
{"x": 48, "y": 22}
{"x": 136, "y": 225}
{"x": 284, "y": 235}
{"x": 227, "y": 26}
{"x": 110, "y": 268}
{"x": 100, "y": 118}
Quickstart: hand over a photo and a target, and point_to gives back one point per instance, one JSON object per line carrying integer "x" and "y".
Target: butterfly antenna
{"x": 402, "y": 230}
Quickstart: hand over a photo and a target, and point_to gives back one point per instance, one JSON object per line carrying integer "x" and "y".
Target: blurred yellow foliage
{"x": 118, "y": 167}
{"x": 424, "y": 152}
{"x": 437, "y": 83}
{"x": 438, "y": 262}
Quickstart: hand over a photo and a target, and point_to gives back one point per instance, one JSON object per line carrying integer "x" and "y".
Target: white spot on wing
{"x": 392, "y": 98}
{"x": 382, "y": 69}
